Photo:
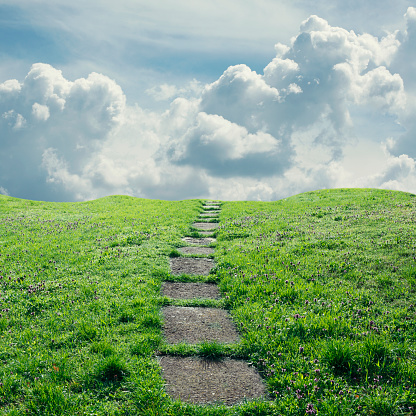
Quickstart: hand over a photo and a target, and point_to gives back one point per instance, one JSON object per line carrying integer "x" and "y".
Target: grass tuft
{"x": 111, "y": 369}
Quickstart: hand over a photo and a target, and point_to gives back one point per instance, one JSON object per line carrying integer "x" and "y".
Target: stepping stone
{"x": 189, "y": 265}
{"x": 175, "y": 290}
{"x": 199, "y": 241}
{"x": 211, "y": 207}
{"x": 195, "y": 380}
{"x": 194, "y": 325}
{"x": 208, "y": 214}
{"x": 206, "y": 225}
{"x": 196, "y": 250}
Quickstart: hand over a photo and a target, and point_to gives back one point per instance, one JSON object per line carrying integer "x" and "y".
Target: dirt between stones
{"x": 195, "y": 324}
{"x": 200, "y": 241}
{"x": 189, "y": 265}
{"x": 175, "y": 290}
{"x": 196, "y": 250}
{"x": 195, "y": 380}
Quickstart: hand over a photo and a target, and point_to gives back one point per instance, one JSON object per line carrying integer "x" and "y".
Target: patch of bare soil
{"x": 199, "y": 241}
{"x": 205, "y": 225}
{"x": 176, "y": 290}
{"x": 195, "y": 380}
{"x": 194, "y": 325}
{"x": 189, "y": 265}
{"x": 196, "y": 250}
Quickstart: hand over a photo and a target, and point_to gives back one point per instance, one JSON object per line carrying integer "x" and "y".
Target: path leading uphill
{"x": 197, "y": 379}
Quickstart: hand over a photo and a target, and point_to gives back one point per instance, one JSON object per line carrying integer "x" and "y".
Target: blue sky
{"x": 223, "y": 99}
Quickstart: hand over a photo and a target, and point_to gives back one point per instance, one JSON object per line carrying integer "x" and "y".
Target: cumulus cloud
{"x": 41, "y": 112}
{"x": 165, "y": 92}
{"x": 247, "y": 135}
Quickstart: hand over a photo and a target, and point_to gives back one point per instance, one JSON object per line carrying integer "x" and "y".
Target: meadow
{"x": 322, "y": 287}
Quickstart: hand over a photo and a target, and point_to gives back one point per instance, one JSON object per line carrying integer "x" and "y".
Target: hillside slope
{"x": 322, "y": 287}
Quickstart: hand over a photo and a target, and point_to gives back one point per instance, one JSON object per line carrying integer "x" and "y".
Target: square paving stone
{"x": 206, "y": 225}
{"x": 189, "y": 265}
{"x": 196, "y": 250}
{"x": 208, "y": 214}
{"x": 199, "y": 381}
{"x": 176, "y": 290}
{"x": 199, "y": 241}
{"x": 194, "y": 325}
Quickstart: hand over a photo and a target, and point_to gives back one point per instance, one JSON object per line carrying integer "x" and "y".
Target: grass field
{"x": 322, "y": 287}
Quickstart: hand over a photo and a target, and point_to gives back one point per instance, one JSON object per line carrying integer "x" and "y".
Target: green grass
{"x": 322, "y": 287}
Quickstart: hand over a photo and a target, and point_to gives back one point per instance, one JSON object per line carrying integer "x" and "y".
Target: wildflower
{"x": 310, "y": 410}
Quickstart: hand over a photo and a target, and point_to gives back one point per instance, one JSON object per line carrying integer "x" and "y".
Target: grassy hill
{"x": 321, "y": 285}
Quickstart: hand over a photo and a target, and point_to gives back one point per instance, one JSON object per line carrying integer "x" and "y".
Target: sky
{"x": 230, "y": 99}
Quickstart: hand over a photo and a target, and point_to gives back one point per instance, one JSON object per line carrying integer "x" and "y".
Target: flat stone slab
{"x": 189, "y": 265}
{"x": 176, "y": 290}
{"x": 200, "y": 241}
{"x": 208, "y": 214}
{"x": 205, "y": 225}
{"x": 211, "y": 207}
{"x": 196, "y": 250}
{"x": 195, "y": 380}
{"x": 194, "y": 325}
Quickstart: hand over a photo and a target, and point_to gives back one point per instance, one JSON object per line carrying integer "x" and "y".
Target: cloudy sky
{"x": 230, "y": 99}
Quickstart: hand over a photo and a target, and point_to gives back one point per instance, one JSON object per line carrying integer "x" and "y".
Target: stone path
{"x": 191, "y": 265}
{"x": 199, "y": 241}
{"x": 196, "y": 379}
{"x": 196, "y": 250}
{"x": 177, "y": 290}
{"x": 201, "y": 381}
{"x": 195, "y": 325}
{"x": 205, "y": 226}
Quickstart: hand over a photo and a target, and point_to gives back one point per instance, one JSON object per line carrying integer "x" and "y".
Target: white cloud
{"x": 247, "y": 135}
{"x": 410, "y": 15}
{"x": 398, "y": 174}
{"x": 167, "y": 92}
{"x": 41, "y": 112}
{"x": 225, "y": 148}
{"x": 15, "y": 120}
{"x": 9, "y": 87}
